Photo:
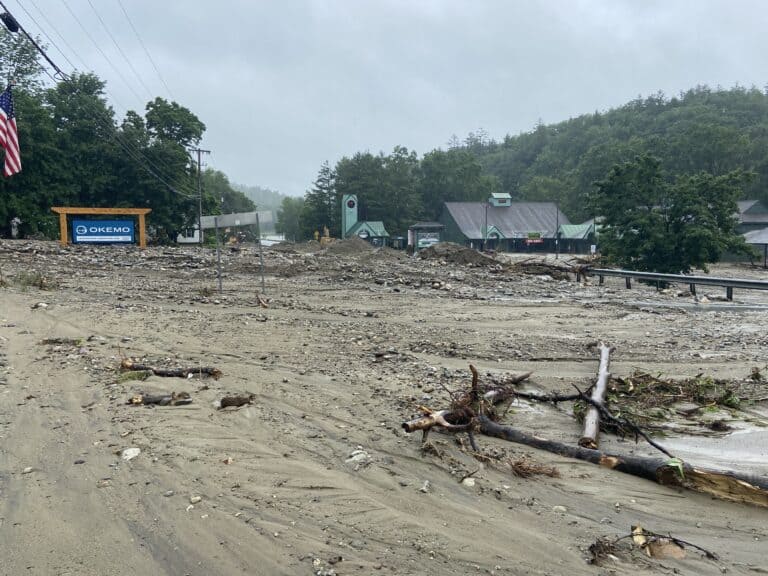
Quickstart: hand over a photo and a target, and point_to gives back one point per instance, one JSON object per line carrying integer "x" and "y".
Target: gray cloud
{"x": 283, "y": 86}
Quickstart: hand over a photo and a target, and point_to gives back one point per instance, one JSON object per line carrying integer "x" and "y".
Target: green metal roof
{"x": 576, "y": 231}
{"x": 375, "y": 229}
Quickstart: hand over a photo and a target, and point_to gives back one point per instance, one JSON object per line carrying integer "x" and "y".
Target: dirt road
{"x": 316, "y": 476}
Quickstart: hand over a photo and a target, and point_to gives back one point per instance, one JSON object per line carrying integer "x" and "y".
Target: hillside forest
{"x": 700, "y": 131}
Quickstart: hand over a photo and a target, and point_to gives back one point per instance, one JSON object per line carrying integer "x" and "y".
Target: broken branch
{"x": 589, "y": 439}
{"x": 724, "y": 484}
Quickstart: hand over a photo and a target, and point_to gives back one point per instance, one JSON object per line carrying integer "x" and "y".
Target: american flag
{"x": 9, "y": 137}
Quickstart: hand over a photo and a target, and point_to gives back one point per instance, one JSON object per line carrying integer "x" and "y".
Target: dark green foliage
{"x": 289, "y": 218}
{"x": 74, "y": 154}
{"x": 649, "y": 223}
{"x": 397, "y": 189}
{"x": 701, "y": 130}
{"x": 228, "y": 200}
{"x": 263, "y": 198}
{"x": 321, "y": 207}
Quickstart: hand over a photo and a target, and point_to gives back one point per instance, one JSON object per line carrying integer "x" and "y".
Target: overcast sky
{"x": 283, "y": 85}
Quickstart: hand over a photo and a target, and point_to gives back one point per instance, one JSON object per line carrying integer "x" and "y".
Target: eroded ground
{"x": 316, "y": 476}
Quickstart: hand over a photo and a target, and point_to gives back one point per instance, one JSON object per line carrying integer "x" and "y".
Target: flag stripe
{"x": 9, "y": 136}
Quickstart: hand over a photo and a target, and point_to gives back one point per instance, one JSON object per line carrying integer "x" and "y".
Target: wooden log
{"x": 129, "y": 364}
{"x": 723, "y": 484}
{"x": 172, "y": 399}
{"x": 590, "y": 437}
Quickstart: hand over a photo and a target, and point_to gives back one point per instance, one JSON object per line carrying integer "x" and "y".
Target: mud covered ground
{"x": 316, "y": 476}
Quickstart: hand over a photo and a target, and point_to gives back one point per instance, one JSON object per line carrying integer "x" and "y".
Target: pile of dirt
{"x": 456, "y": 254}
{"x": 296, "y": 247}
{"x": 349, "y": 246}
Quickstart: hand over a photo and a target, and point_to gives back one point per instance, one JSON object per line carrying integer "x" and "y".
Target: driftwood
{"x": 470, "y": 412}
{"x": 726, "y": 485}
{"x": 236, "y": 401}
{"x": 589, "y": 439}
{"x": 623, "y": 425}
{"x": 130, "y": 364}
{"x": 172, "y": 399}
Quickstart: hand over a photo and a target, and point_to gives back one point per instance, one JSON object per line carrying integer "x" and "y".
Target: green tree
{"x": 452, "y": 176}
{"x": 321, "y": 205}
{"x": 400, "y": 203}
{"x": 20, "y": 61}
{"x": 289, "y": 217}
{"x": 172, "y": 122}
{"x": 649, "y": 223}
{"x": 227, "y": 200}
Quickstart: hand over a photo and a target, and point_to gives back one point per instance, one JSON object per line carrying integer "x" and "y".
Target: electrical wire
{"x": 120, "y": 50}
{"x": 108, "y": 60}
{"x": 149, "y": 56}
{"x": 56, "y": 31}
{"x": 39, "y": 27}
{"x": 135, "y": 153}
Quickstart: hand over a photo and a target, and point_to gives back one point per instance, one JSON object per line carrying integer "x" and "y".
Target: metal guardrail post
{"x": 692, "y": 281}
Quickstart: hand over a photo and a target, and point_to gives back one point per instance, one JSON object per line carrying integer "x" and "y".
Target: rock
{"x": 425, "y": 487}
{"x": 559, "y": 509}
{"x": 468, "y": 482}
{"x": 168, "y": 493}
{"x": 130, "y": 453}
{"x": 79, "y": 461}
{"x": 195, "y": 499}
{"x": 358, "y": 456}
{"x": 27, "y": 470}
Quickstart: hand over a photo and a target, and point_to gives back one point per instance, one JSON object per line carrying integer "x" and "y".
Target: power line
{"x": 88, "y": 34}
{"x": 44, "y": 32}
{"x": 114, "y": 41}
{"x": 149, "y": 56}
{"x": 134, "y": 153}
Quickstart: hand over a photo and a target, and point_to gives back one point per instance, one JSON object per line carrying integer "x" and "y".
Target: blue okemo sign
{"x": 103, "y": 231}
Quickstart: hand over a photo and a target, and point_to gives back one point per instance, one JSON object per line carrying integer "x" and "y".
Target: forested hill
{"x": 263, "y": 198}
{"x": 708, "y": 130}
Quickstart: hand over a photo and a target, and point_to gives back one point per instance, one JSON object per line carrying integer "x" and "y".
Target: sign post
{"x": 104, "y": 229}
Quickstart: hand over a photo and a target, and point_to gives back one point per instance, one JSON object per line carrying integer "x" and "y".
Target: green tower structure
{"x": 348, "y": 213}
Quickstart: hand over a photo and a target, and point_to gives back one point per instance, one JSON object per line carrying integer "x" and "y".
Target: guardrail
{"x": 728, "y": 283}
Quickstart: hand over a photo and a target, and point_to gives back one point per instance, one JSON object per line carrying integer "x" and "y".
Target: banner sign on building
{"x": 103, "y": 231}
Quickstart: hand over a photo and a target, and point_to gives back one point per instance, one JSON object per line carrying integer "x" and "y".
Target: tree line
{"x": 698, "y": 131}
{"x": 75, "y": 152}
{"x": 397, "y": 188}
{"x": 700, "y": 141}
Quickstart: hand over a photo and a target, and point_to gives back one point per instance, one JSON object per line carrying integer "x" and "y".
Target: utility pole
{"x": 199, "y": 152}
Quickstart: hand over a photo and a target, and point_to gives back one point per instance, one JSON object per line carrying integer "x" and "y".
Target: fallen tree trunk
{"x": 172, "y": 399}
{"x": 722, "y": 484}
{"x": 129, "y": 364}
{"x": 589, "y": 439}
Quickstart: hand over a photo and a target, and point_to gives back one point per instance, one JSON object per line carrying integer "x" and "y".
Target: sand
{"x": 316, "y": 476}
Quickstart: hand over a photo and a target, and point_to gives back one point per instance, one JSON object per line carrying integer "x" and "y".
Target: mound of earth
{"x": 296, "y": 247}
{"x": 349, "y": 246}
{"x": 456, "y": 254}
